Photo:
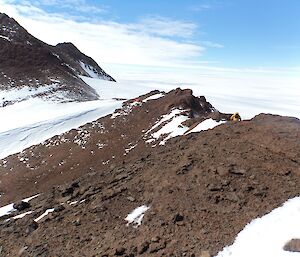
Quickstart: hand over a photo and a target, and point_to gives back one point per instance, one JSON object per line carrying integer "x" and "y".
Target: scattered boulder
{"x": 120, "y": 251}
{"x": 143, "y": 247}
{"x": 131, "y": 199}
{"x": 59, "y": 208}
{"x": 156, "y": 247}
{"x": 20, "y": 206}
{"x": 178, "y": 217}
{"x": 292, "y": 246}
{"x": 32, "y": 227}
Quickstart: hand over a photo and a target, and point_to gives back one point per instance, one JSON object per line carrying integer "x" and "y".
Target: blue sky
{"x": 223, "y": 33}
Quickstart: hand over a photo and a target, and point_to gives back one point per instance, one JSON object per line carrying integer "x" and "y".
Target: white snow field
{"x": 266, "y": 236}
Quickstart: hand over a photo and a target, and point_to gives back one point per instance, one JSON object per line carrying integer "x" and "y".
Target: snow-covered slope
{"x": 37, "y": 123}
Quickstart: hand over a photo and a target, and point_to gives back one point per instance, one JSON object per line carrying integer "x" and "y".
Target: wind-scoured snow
{"x": 89, "y": 70}
{"x": 136, "y": 216}
{"x": 172, "y": 129}
{"x": 205, "y": 125}
{"x": 171, "y": 126}
{"x": 24, "y": 93}
{"x": 165, "y": 118}
{"x": 50, "y": 119}
{"x": 153, "y": 97}
{"x": 7, "y": 209}
{"x": 266, "y": 236}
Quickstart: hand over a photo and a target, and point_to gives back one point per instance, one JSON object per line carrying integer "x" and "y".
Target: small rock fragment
{"x": 292, "y": 246}
{"x": 32, "y": 227}
{"x": 120, "y": 251}
{"x": 237, "y": 171}
{"x": 155, "y": 239}
{"x": 214, "y": 187}
{"x": 178, "y": 217}
{"x": 205, "y": 254}
{"x": 59, "y": 208}
{"x": 222, "y": 171}
{"x": 156, "y": 247}
{"x": 130, "y": 198}
{"x": 143, "y": 247}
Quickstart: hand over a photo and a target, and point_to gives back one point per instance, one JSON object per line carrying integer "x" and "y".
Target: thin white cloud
{"x": 162, "y": 26}
{"x": 211, "y": 44}
{"x": 200, "y": 7}
{"x": 80, "y": 6}
{"x": 148, "y": 42}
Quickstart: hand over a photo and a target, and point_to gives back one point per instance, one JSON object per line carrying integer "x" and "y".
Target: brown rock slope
{"x": 202, "y": 188}
{"x": 98, "y": 145}
{"x": 27, "y": 61}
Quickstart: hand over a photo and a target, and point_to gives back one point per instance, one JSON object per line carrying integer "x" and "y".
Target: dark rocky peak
{"x": 184, "y": 99}
{"x": 82, "y": 64}
{"x": 27, "y": 61}
{"x": 11, "y": 31}
{"x": 6, "y": 20}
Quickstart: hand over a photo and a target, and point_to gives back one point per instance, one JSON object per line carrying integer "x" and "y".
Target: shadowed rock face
{"x": 184, "y": 99}
{"x": 27, "y": 61}
{"x": 71, "y": 55}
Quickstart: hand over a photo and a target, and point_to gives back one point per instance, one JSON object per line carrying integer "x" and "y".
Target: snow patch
{"x": 136, "y": 216}
{"x": 20, "y": 216}
{"x": 131, "y": 147}
{"x": 205, "y": 125}
{"x": 267, "y": 235}
{"x": 73, "y": 203}
{"x": 153, "y": 97}
{"x": 172, "y": 126}
{"x": 6, "y": 38}
{"x": 44, "y": 215}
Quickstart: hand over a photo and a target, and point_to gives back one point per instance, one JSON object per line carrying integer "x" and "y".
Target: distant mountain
{"x": 26, "y": 61}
